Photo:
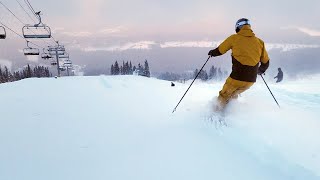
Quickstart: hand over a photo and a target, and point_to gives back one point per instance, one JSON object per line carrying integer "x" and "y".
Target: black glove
{"x": 260, "y": 71}
{"x": 214, "y": 52}
{"x": 211, "y": 52}
{"x": 262, "y": 68}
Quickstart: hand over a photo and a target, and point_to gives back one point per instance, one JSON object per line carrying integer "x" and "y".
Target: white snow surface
{"x": 122, "y": 127}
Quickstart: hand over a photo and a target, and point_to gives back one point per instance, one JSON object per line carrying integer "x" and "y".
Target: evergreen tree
{"x": 204, "y": 75}
{"x": 112, "y": 70}
{"x": 116, "y": 68}
{"x": 146, "y": 69}
{"x": 127, "y": 69}
{"x": 220, "y": 74}
{"x": 121, "y": 70}
{"x": 17, "y": 75}
{"x": 130, "y": 68}
{"x": 6, "y": 74}
{"x": 212, "y": 73}
{"x": 195, "y": 74}
{"x": 140, "y": 69}
{"x": 29, "y": 72}
{"x": 1, "y": 76}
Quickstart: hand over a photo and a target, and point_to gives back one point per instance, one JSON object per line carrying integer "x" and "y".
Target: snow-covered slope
{"x": 122, "y": 128}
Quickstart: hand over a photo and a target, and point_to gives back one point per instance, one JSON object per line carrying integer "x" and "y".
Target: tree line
{"x": 27, "y": 72}
{"x": 128, "y": 69}
{"x": 214, "y": 73}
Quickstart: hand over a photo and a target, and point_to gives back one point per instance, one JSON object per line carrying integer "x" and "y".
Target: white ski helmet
{"x": 241, "y": 22}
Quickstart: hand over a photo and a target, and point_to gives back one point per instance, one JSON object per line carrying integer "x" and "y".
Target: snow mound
{"x": 121, "y": 127}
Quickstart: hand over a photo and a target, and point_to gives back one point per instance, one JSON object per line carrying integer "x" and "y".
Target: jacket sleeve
{"x": 226, "y": 45}
{"x": 264, "y": 55}
{"x": 264, "y": 59}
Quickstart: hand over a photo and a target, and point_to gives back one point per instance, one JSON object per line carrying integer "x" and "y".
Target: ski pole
{"x": 191, "y": 84}
{"x": 270, "y": 91}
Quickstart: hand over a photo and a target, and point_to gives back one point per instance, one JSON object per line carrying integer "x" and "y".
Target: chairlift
{"x": 62, "y": 68}
{"x": 54, "y": 50}
{"x": 64, "y": 57}
{"x": 53, "y": 62}
{"x": 39, "y": 30}
{"x": 31, "y": 51}
{"x": 45, "y": 55}
{"x": 3, "y": 33}
{"x": 67, "y": 63}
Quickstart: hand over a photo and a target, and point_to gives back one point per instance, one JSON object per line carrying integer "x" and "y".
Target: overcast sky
{"x": 97, "y": 26}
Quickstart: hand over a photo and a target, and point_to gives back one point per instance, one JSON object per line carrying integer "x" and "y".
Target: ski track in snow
{"x": 122, "y": 128}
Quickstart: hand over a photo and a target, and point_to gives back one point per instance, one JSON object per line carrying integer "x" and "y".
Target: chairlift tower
{"x": 57, "y": 50}
{"x": 58, "y": 65}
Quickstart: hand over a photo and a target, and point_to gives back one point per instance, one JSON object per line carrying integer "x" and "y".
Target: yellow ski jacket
{"x": 247, "y": 52}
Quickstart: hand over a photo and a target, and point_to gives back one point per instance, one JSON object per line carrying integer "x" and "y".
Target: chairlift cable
{"x": 25, "y": 11}
{"x": 30, "y": 18}
{"x": 34, "y": 13}
{"x": 11, "y": 12}
{"x": 21, "y": 20}
{"x": 20, "y": 35}
{"x": 31, "y": 8}
{"x": 12, "y": 30}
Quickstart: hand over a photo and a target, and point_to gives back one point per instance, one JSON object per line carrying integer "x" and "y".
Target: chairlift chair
{"x": 67, "y": 63}
{"x": 39, "y": 30}
{"x": 59, "y": 48}
{"x": 45, "y": 55}
{"x": 54, "y": 50}
{"x": 53, "y": 62}
{"x": 64, "y": 57}
{"x": 3, "y": 33}
{"x": 62, "y": 68}
{"x": 29, "y": 51}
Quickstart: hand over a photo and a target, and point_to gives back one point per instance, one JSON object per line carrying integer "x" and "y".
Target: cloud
{"x": 5, "y": 62}
{"x": 57, "y": 29}
{"x": 200, "y": 44}
{"x": 127, "y": 46}
{"x": 78, "y": 34}
{"x": 190, "y": 44}
{"x": 290, "y": 47}
{"x": 33, "y": 58}
{"x": 30, "y": 57}
{"x": 210, "y": 44}
{"x": 114, "y": 30}
{"x": 310, "y": 32}
{"x": 78, "y": 70}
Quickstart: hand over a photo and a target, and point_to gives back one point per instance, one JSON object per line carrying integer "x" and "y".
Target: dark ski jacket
{"x": 279, "y": 76}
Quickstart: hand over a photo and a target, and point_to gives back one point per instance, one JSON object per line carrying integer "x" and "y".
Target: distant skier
{"x": 172, "y": 84}
{"x": 279, "y": 76}
{"x": 248, "y": 52}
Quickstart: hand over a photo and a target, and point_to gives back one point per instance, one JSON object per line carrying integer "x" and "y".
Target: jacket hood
{"x": 246, "y": 31}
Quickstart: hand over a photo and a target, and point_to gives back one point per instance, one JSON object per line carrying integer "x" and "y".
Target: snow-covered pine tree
{"x": 212, "y": 73}
{"x": 29, "y": 72}
{"x": 130, "y": 68}
{"x": 146, "y": 69}
{"x": 112, "y": 70}
{"x": 195, "y": 73}
{"x": 116, "y": 68}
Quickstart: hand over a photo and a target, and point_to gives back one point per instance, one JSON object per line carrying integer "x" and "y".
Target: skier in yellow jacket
{"x": 249, "y": 58}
